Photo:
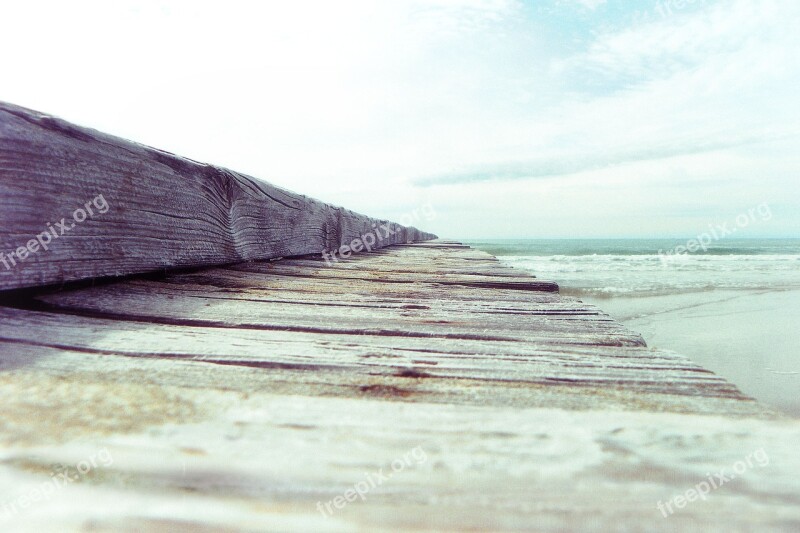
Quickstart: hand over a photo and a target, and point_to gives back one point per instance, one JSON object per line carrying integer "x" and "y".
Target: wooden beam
{"x": 77, "y": 204}
{"x": 255, "y": 397}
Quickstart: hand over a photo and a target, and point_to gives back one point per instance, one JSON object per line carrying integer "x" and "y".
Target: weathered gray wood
{"x": 239, "y": 398}
{"x": 152, "y": 210}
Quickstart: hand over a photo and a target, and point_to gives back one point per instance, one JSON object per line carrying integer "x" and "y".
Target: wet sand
{"x": 749, "y": 337}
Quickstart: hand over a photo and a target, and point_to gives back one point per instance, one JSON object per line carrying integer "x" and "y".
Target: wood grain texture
{"x": 163, "y": 211}
{"x": 240, "y": 398}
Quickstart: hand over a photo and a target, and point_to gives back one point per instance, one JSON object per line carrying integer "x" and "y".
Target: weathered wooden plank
{"x": 76, "y": 203}
{"x": 425, "y": 321}
{"x": 246, "y": 398}
{"x": 141, "y": 305}
{"x": 418, "y": 366}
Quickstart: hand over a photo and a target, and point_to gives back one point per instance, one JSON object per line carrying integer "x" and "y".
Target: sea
{"x": 732, "y": 305}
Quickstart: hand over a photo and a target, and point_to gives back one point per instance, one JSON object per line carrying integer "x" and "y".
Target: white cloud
{"x": 590, "y": 4}
{"x": 672, "y": 88}
{"x": 356, "y": 101}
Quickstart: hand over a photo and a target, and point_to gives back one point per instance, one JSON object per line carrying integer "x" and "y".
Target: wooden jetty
{"x": 421, "y": 387}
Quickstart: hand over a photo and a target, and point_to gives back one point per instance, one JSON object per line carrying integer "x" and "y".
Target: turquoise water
{"x": 733, "y": 308}
{"x": 607, "y": 268}
{"x": 624, "y": 247}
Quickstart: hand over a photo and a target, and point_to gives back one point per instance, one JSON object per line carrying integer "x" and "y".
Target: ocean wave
{"x": 655, "y": 266}
{"x": 632, "y": 292}
{"x": 608, "y": 275}
{"x": 635, "y": 247}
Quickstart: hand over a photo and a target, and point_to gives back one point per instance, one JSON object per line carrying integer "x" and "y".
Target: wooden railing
{"x": 79, "y": 204}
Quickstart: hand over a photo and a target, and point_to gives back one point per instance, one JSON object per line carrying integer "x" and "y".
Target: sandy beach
{"x": 732, "y": 310}
{"x": 747, "y": 336}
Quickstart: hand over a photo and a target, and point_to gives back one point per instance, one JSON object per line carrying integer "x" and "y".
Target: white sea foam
{"x": 610, "y": 274}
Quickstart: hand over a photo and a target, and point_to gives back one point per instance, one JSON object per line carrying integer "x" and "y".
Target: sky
{"x": 486, "y": 118}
